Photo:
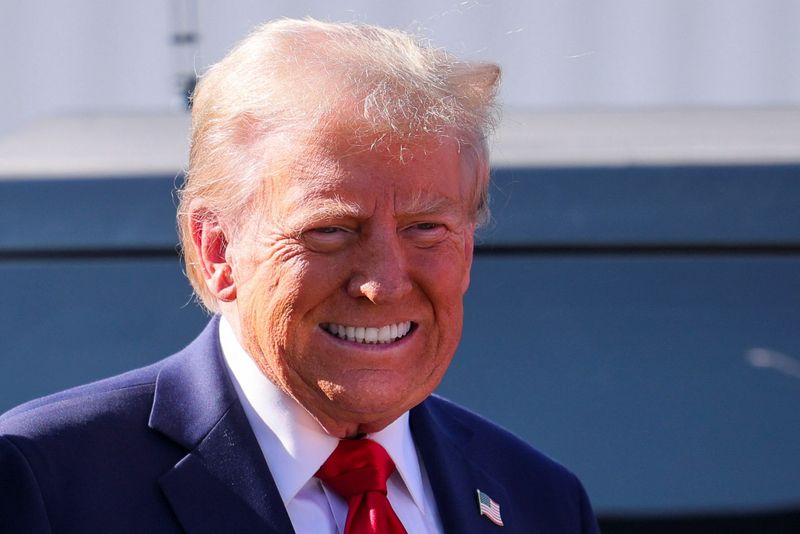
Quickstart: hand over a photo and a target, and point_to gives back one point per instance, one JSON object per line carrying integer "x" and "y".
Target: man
{"x": 337, "y": 174}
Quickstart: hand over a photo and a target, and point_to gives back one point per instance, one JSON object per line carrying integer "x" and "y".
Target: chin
{"x": 370, "y": 405}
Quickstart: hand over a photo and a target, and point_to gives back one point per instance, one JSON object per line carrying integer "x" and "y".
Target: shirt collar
{"x": 292, "y": 441}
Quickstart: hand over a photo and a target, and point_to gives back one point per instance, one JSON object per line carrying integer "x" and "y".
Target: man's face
{"x": 350, "y": 279}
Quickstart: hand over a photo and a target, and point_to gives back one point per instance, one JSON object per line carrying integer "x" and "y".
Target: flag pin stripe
{"x": 489, "y": 509}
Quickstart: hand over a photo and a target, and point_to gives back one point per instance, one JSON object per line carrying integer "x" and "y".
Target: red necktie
{"x": 357, "y": 470}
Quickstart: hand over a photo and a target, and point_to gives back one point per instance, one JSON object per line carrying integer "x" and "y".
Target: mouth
{"x": 369, "y": 335}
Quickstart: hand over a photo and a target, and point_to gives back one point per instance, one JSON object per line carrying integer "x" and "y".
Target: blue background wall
{"x": 639, "y": 324}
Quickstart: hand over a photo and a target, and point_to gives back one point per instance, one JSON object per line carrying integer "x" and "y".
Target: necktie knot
{"x": 356, "y": 467}
{"x": 357, "y": 470}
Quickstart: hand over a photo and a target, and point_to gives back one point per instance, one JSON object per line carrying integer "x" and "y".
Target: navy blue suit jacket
{"x": 168, "y": 448}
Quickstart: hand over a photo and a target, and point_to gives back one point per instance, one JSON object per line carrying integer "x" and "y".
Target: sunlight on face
{"x": 350, "y": 290}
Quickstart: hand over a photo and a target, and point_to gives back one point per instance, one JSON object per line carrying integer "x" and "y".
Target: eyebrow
{"x": 317, "y": 209}
{"x": 423, "y": 204}
{"x": 334, "y": 208}
{"x": 320, "y": 209}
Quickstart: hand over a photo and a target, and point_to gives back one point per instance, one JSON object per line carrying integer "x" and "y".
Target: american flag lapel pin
{"x": 489, "y": 509}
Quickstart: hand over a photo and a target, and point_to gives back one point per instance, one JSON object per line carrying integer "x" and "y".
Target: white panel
{"x": 95, "y": 55}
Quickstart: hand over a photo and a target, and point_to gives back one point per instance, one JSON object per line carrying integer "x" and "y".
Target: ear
{"x": 211, "y": 245}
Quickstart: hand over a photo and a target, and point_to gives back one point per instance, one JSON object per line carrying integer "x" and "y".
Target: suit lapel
{"x": 443, "y": 444}
{"x": 223, "y": 484}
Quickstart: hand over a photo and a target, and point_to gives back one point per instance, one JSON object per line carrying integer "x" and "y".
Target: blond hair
{"x": 296, "y": 77}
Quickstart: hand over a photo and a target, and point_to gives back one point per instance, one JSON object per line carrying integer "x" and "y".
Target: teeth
{"x": 368, "y": 334}
{"x": 371, "y": 335}
{"x": 382, "y": 335}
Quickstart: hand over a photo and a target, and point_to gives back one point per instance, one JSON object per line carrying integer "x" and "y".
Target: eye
{"x": 326, "y": 230}
{"x": 427, "y": 226}
{"x": 327, "y": 238}
{"x": 426, "y": 234}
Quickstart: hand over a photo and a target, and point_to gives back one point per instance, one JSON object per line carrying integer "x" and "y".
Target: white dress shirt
{"x": 295, "y": 446}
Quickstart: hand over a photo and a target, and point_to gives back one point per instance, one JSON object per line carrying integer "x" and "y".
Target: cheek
{"x": 266, "y": 304}
{"x": 469, "y": 248}
{"x": 446, "y": 271}
{"x": 258, "y": 329}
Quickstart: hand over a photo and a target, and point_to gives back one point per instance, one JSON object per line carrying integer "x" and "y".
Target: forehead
{"x": 425, "y": 175}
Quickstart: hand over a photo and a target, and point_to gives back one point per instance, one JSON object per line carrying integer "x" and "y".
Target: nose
{"x": 381, "y": 271}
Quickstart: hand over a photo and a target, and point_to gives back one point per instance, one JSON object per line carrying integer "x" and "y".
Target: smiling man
{"x": 337, "y": 175}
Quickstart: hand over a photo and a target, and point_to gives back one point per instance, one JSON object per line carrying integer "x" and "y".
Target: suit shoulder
{"x": 491, "y": 443}
{"x": 537, "y": 489}
{"x": 109, "y": 404}
{"x": 82, "y": 404}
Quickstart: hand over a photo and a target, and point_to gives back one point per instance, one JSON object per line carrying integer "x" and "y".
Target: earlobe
{"x": 212, "y": 244}
{"x": 222, "y": 283}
